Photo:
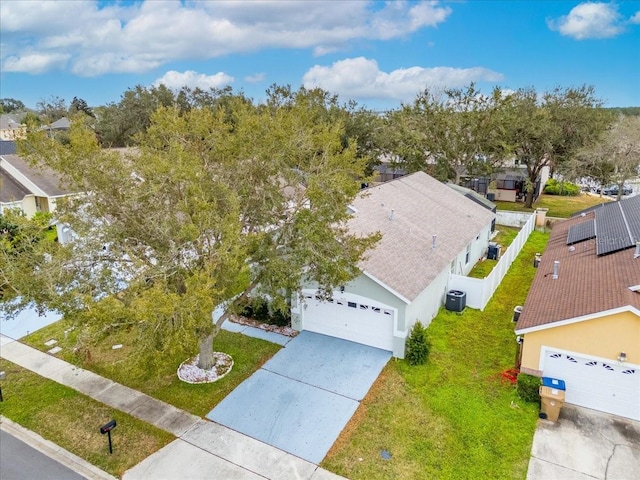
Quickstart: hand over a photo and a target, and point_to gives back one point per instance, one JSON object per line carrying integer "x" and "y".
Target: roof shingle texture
{"x": 404, "y": 259}
{"x": 10, "y": 190}
{"x": 586, "y": 284}
{"x": 45, "y": 179}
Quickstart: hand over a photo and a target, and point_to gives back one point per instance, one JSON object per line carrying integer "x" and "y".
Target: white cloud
{"x": 176, "y": 80}
{"x": 362, "y": 78}
{"x": 137, "y": 37}
{"x": 590, "y": 20}
{"x": 256, "y": 78}
{"x": 35, "y": 63}
{"x": 635, "y": 18}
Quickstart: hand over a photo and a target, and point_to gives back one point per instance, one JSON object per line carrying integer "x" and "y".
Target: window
{"x": 467, "y": 257}
{"x": 352, "y": 304}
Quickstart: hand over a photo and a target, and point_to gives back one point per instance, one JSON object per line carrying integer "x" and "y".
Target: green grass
{"x": 559, "y": 206}
{"x": 160, "y": 380}
{"x": 72, "y": 421}
{"x": 504, "y": 238}
{"x": 453, "y": 417}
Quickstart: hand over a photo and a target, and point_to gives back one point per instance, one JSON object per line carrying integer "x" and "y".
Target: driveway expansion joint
{"x": 310, "y": 385}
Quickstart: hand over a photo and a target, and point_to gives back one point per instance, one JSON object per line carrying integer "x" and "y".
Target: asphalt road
{"x": 19, "y": 461}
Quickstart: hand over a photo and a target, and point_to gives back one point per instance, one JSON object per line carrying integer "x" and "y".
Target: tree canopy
{"x": 449, "y": 133}
{"x": 614, "y": 157}
{"x": 211, "y": 206}
{"x": 8, "y": 105}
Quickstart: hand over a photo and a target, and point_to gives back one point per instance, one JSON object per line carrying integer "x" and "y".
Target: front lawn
{"x": 158, "y": 378}
{"x": 73, "y": 420}
{"x": 453, "y": 417}
{"x": 559, "y": 206}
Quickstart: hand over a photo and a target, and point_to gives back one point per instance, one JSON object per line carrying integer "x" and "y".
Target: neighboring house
{"x": 32, "y": 190}
{"x": 509, "y": 185}
{"x": 581, "y": 320}
{"x": 10, "y": 126}
{"x": 62, "y": 124}
{"x": 428, "y": 231}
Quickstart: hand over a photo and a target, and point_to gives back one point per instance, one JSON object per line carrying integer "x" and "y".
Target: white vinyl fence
{"x": 480, "y": 290}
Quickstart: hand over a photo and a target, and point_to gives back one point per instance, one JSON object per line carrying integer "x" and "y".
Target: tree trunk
{"x": 205, "y": 344}
{"x": 529, "y": 198}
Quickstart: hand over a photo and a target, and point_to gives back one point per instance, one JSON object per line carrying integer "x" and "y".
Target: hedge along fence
{"x": 480, "y": 290}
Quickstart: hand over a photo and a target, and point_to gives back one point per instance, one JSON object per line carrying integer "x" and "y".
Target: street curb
{"x": 54, "y": 451}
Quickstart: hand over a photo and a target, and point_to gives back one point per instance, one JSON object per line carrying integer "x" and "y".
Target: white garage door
{"x": 607, "y": 386}
{"x": 351, "y": 317}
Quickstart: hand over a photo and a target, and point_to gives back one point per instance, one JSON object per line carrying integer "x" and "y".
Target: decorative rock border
{"x": 189, "y": 372}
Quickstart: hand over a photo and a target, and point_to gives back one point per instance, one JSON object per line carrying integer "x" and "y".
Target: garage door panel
{"x": 593, "y": 383}
{"x": 357, "y": 319}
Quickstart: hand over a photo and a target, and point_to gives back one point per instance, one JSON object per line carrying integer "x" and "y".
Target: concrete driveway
{"x": 302, "y": 398}
{"x": 585, "y": 444}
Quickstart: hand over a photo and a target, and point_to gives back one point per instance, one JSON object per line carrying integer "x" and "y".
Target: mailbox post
{"x": 106, "y": 428}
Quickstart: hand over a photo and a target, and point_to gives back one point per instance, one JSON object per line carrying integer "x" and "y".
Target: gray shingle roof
{"x": 10, "y": 190}
{"x": 404, "y": 259}
{"x": 587, "y": 283}
{"x": 46, "y": 179}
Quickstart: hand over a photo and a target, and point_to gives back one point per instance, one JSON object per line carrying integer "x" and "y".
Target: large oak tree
{"x": 212, "y": 206}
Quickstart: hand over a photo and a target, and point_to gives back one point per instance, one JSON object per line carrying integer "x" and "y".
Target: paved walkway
{"x": 203, "y": 449}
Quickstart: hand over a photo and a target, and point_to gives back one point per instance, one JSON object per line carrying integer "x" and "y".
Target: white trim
{"x": 386, "y": 287}
{"x": 583, "y": 318}
{"x": 544, "y": 349}
{"x": 635, "y": 288}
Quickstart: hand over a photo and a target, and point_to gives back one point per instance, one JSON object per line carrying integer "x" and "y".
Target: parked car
{"x": 613, "y": 190}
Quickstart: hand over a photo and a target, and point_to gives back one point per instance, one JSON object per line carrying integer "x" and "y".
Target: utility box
{"x": 456, "y": 301}
{"x": 552, "y": 400}
{"x": 494, "y": 251}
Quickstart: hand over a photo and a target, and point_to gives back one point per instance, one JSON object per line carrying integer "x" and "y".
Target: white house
{"x": 29, "y": 189}
{"x": 428, "y": 231}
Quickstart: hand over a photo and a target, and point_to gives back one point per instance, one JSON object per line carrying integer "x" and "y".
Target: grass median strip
{"x": 72, "y": 421}
{"x": 157, "y": 378}
{"x": 453, "y": 417}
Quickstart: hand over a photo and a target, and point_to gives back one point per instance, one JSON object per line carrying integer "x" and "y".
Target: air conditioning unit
{"x": 456, "y": 301}
{"x": 494, "y": 251}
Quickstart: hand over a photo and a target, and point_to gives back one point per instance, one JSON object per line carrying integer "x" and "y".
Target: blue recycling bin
{"x": 553, "y": 383}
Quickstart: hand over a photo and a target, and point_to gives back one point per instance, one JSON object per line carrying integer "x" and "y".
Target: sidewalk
{"x": 203, "y": 449}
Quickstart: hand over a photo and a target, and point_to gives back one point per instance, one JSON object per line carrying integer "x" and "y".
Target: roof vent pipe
{"x": 391, "y": 217}
{"x": 556, "y": 268}
{"x": 434, "y": 243}
{"x": 637, "y": 254}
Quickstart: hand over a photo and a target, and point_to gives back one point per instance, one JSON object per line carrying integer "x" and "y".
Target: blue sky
{"x": 377, "y": 53}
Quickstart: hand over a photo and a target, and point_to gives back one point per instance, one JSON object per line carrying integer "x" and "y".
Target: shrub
{"x": 528, "y": 387}
{"x": 280, "y": 318}
{"x": 261, "y": 309}
{"x": 417, "y": 345}
{"x": 246, "y": 308}
{"x": 554, "y": 187}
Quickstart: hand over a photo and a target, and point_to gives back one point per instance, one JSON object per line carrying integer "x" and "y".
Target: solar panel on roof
{"x": 631, "y": 210}
{"x": 612, "y": 234}
{"x": 581, "y": 232}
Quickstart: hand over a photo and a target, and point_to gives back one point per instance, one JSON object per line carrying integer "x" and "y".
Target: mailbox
{"x": 107, "y": 427}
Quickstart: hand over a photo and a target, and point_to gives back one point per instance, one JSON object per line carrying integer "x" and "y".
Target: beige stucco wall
{"x": 604, "y": 337}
